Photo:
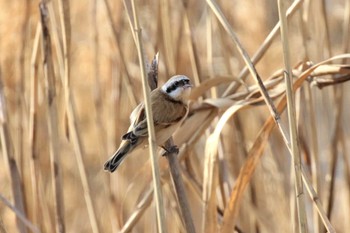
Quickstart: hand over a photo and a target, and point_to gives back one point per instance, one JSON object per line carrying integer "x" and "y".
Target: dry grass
{"x": 70, "y": 76}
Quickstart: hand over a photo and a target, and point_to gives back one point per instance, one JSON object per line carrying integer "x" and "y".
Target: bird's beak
{"x": 188, "y": 86}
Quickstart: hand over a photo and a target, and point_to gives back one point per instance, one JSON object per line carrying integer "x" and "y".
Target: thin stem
{"x": 71, "y": 114}
{"x": 52, "y": 113}
{"x": 19, "y": 215}
{"x": 262, "y": 49}
{"x": 151, "y": 134}
{"x": 179, "y": 186}
{"x": 292, "y": 121}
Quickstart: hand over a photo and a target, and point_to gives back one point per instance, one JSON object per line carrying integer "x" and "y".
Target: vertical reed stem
{"x": 151, "y": 134}
{"x": 51, "y": 102}
{"x": 302, "y": 220}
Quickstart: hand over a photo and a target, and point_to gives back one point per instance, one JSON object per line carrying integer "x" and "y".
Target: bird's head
{"x": 178, "y": 87}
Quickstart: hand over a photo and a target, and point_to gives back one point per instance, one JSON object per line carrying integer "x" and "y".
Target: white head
{"x": 178, "y": 87}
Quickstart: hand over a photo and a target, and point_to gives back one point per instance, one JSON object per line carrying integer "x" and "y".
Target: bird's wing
{"x": 138, "y": 124}
{"x": 137, "y": 115}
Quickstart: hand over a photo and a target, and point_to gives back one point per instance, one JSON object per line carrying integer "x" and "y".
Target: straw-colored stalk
{"x": 10, "y": 162}
{"x": 167, "y": 36}
{"x": 179, "y": 186}
{"x": 52, "y": 120}
{"x": 33, "y": 121}
{"x": 151, "y": 134}
{"x": 71, "y": 114}
{"x": 311, "y": 125}
{"x": 338, "y": 101}
{"x": 127, "y": 80}
{"x": 292, "y": 122}
{"x": 219, "y": 14}
{"x": 20, "y": 215}
{"x": 227, "y": 223}
{"x": 192, "y": 48}
{"x": 141, "y": 207}
{"x": 263, "y": 48}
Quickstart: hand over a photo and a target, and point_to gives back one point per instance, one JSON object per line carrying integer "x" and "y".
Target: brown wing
{"x": 137, "y": 115}
{"x": 172, "y": 111}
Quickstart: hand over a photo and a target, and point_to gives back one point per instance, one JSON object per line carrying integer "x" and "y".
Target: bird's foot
{"x": 170, "y": 150}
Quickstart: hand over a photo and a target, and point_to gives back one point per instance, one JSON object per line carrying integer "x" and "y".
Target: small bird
{"x": 169, "y": 109}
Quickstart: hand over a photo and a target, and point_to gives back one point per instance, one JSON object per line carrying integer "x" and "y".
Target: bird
{"x": 169, "y": 105}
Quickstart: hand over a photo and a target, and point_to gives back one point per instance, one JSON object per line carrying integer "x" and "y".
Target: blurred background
{"x": 52, "y": 158}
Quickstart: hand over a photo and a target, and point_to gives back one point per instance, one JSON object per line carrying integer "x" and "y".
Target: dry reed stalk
{"x": 179, "y": 186}
{"x": 141, "y": 207}
{"x": 313, "y": 149}
{"x": 219, "y": 14}
{"x": 56, "y": 41}
{"x": 227, "y": 224}
{"x": 346, "y": 166}
{"x": 209, "y": 39}
{"x": 338, "y": 100}
{"x": 335, "y": 139}
{"x": 20, "y": 215}
{"x": 326, "y": 27}
{"x": 127, "y": 80}
{"x": 21, "y": 89}
{"x": 210, "y": 176}
{"x": 191, "y": 44}
{"x": 346, "y": 29}
{"x": 151, "y": 134}
{"x": 52, "y": 120}
{"x": 167, "y": 37}
{"x": 263, "y": 48}
{"x": 345, "y": 49}
{"x": 305, "y": 175}
{"x": 10, "y": 162}
{"x": 211, "y": 173}
{"x": 302, "y": 218}
{"x": 71, "y": 114}
{"x": 46, "y": 221}
{"x": 33, "y": 121}
{"x": 306, "y": 179}
{"x": 253, "y": 188}
{"x": 98, "y": 104}
{"x": 338, "y": 131}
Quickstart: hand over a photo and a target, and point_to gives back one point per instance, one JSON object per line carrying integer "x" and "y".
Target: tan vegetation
{"x": 70, "y": 76}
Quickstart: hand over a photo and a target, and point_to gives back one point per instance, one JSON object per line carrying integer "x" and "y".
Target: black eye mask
{"x": 177, "y": 84}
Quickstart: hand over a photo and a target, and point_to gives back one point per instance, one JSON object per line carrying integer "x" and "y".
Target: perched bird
{"x": 169, "y": 109}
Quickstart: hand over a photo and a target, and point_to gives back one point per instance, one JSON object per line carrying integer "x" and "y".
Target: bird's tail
{"x": 112, "y": 164}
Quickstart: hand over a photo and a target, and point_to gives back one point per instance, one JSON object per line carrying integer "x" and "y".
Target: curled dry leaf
{"x": 207, "y": 84}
